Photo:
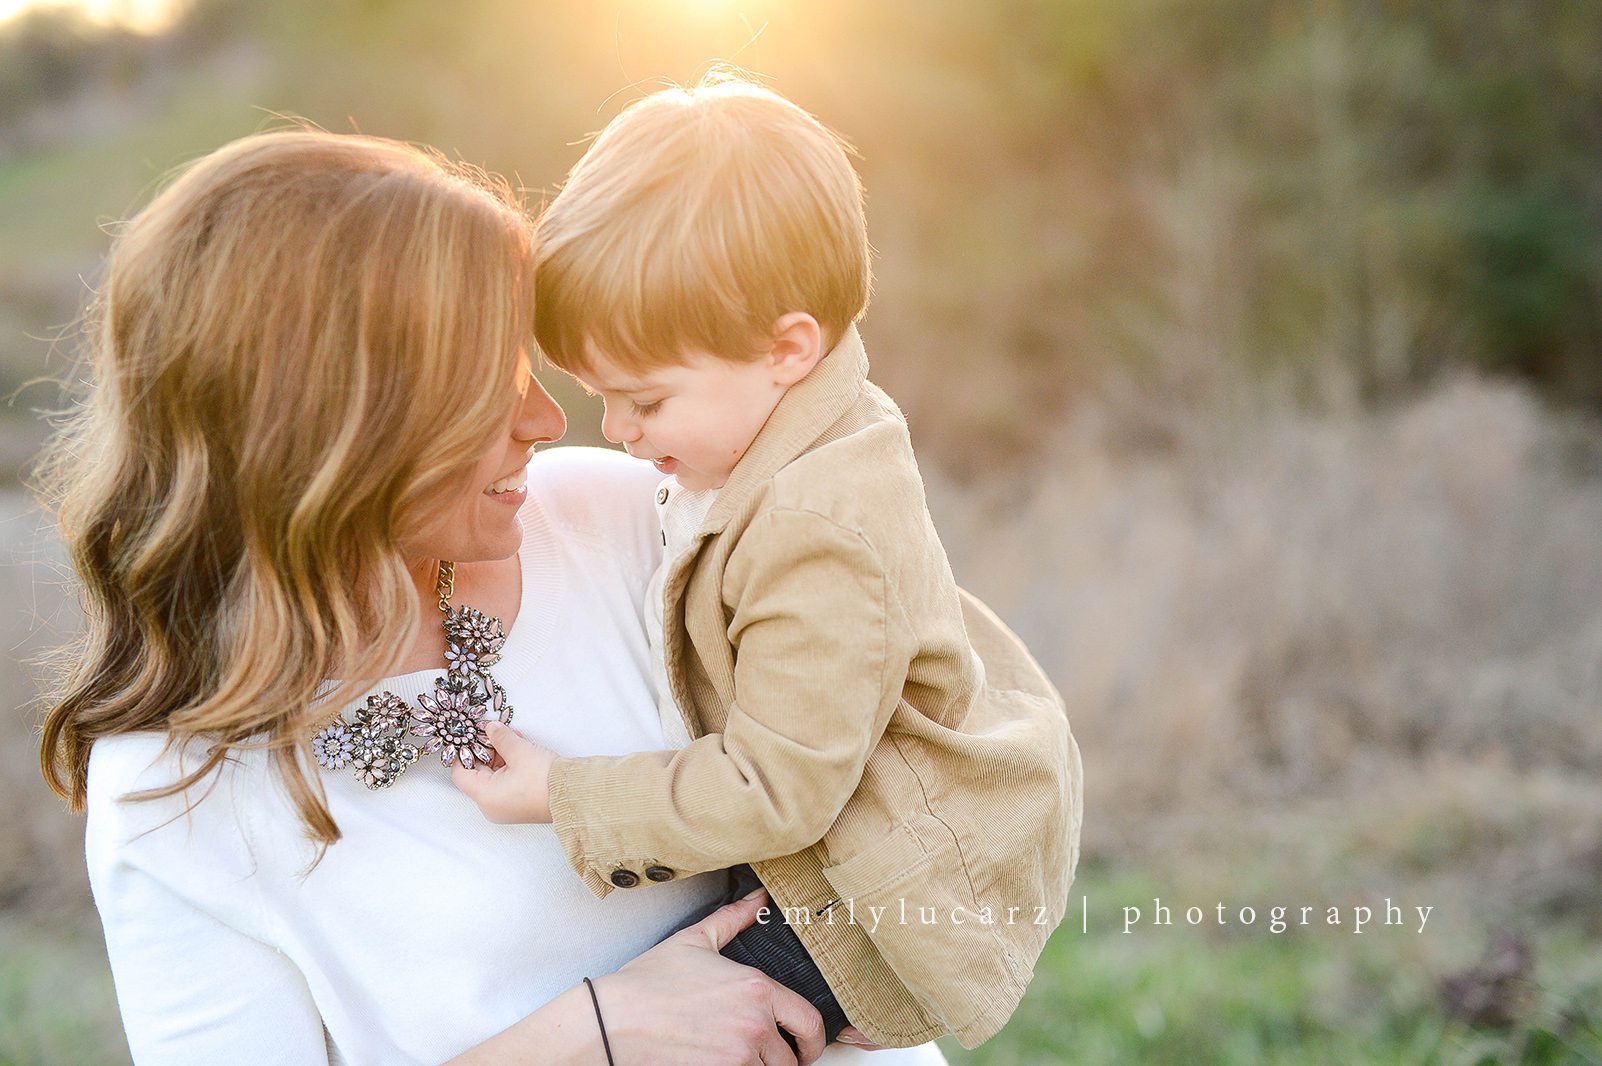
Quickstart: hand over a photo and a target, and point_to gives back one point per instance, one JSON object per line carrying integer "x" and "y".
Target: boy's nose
{"x": 618, "y": 428}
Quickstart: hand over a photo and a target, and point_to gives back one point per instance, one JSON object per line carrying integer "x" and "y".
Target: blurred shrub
{"x": 49, "y": 52}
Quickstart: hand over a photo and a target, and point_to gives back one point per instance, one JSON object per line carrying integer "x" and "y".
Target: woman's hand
{"x": 858, "y": 1039}
{"x": 518, "y": 789}
{"x": 718, "y": 1011}
{"x": 678, "y": 1004}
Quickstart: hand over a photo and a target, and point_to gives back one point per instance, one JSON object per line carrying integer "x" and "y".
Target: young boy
{"x": 875, "y": 743}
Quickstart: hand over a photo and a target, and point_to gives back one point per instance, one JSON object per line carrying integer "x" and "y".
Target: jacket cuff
{"x": 569, "y": 826}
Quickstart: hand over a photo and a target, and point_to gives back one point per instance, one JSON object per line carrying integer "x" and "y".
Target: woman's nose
{"x": 540, "y": 419}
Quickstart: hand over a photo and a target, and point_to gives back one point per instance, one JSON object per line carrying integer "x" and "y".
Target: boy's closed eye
{"x": 645, "y": 410}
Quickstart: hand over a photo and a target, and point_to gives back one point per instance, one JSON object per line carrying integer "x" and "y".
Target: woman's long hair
{"x": 299, "y": 344}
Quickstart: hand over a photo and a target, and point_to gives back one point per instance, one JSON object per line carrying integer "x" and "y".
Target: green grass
{"x": 1180, "y": 995}
{"x": 1185, "y": 995}
{"x": 54, "y": 203}
{"x": 56, "y": 1002}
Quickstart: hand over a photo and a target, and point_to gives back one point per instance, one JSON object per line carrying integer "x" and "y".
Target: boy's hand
{"x": 518, "y": 789}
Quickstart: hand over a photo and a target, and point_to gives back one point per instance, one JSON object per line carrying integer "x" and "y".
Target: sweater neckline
{"x": 529, "y": 636}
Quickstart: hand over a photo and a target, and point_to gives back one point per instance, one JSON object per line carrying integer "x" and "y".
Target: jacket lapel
{"x": 803, "y": 415}
{"x": 805, "y": 412}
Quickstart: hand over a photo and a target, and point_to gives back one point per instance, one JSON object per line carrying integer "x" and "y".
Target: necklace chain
{"x": 446, "y": 585}
{"x": 377, "y": 745}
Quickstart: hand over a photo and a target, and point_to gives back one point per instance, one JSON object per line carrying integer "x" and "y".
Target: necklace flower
{"x": 451, "y": 723}
{"x": 377, "y": 745}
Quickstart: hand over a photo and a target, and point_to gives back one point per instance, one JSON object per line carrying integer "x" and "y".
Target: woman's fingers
{"x": 858, "y": 1039}
{"x": 790, "y": 1011}
{"x": 715, "y": 1010}
{"x": 801, "y": 1020}
{"x": 725, "y": 923}
{"x": 776, "y": 1052}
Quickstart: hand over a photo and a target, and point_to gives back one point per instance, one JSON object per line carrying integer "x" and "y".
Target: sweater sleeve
{"x": 194, "y": 987}
{"x": 194, "y": 992}
{"x": 817, "y": 677}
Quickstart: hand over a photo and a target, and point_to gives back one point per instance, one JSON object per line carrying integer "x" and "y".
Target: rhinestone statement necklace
{"x": 377, "y": 746}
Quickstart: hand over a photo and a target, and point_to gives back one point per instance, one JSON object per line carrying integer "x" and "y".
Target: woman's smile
{"x": 512, "y": 489}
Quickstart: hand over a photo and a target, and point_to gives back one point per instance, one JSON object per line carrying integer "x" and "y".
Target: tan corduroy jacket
{"x": 881, "y": 749}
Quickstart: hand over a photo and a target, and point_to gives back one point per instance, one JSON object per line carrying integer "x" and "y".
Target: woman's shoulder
{"x": 591, "y": 476}
{"x": 203, "y": 824}
{"x": 596, "y": 494}
{"x": 133, "y": 762}
{"x": 180, "y": 862}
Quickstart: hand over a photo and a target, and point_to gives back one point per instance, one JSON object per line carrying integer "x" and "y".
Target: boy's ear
{"x": 797, "y": 347}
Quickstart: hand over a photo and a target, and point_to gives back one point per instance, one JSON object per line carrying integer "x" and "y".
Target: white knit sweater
{"x": 399, "y": 941}
{"x": 426, "y": 929}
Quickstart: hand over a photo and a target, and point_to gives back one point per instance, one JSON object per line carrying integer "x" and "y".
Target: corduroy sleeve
{"x": 819, "y": 667}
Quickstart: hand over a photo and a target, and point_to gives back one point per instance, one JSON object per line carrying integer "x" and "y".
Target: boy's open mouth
{"x": 667, "y": 464}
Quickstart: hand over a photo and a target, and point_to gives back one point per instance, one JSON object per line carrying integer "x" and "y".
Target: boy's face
{"x": 695, "y": 419}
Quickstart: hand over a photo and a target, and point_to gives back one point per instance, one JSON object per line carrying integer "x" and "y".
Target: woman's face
{"x": 476, "y": 518}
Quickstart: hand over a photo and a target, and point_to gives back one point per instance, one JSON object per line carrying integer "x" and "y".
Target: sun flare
{"x": 142, "y": 16}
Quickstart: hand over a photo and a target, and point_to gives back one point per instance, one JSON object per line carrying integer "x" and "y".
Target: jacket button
{"x": 658, "y": 873}
{"x": 625, "y": 878}
{"x": 661, "y": 495}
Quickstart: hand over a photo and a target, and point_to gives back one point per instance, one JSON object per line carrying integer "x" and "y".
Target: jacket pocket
{"x": 911, "y": 894}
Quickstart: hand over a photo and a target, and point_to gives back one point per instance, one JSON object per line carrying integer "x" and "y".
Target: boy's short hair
{"x": 697, "y": 218}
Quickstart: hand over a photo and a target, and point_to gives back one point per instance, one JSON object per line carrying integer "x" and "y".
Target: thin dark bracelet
{"x": 605, "y": 1043}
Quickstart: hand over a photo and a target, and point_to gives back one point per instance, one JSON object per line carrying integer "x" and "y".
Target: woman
{"x": 309, "y": 434}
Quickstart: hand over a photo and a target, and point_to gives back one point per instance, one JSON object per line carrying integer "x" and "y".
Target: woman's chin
{"x": 498, "y": 538}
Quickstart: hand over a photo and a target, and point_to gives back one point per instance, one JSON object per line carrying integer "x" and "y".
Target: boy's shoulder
{"x": 860, "y": 472}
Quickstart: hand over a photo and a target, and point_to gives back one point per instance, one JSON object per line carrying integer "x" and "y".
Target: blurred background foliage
{"x": 1254, "y": 352}
{"x": 1345, "y": 194}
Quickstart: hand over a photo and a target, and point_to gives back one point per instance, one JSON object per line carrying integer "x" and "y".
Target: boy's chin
{"x": 694, "y": 480}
